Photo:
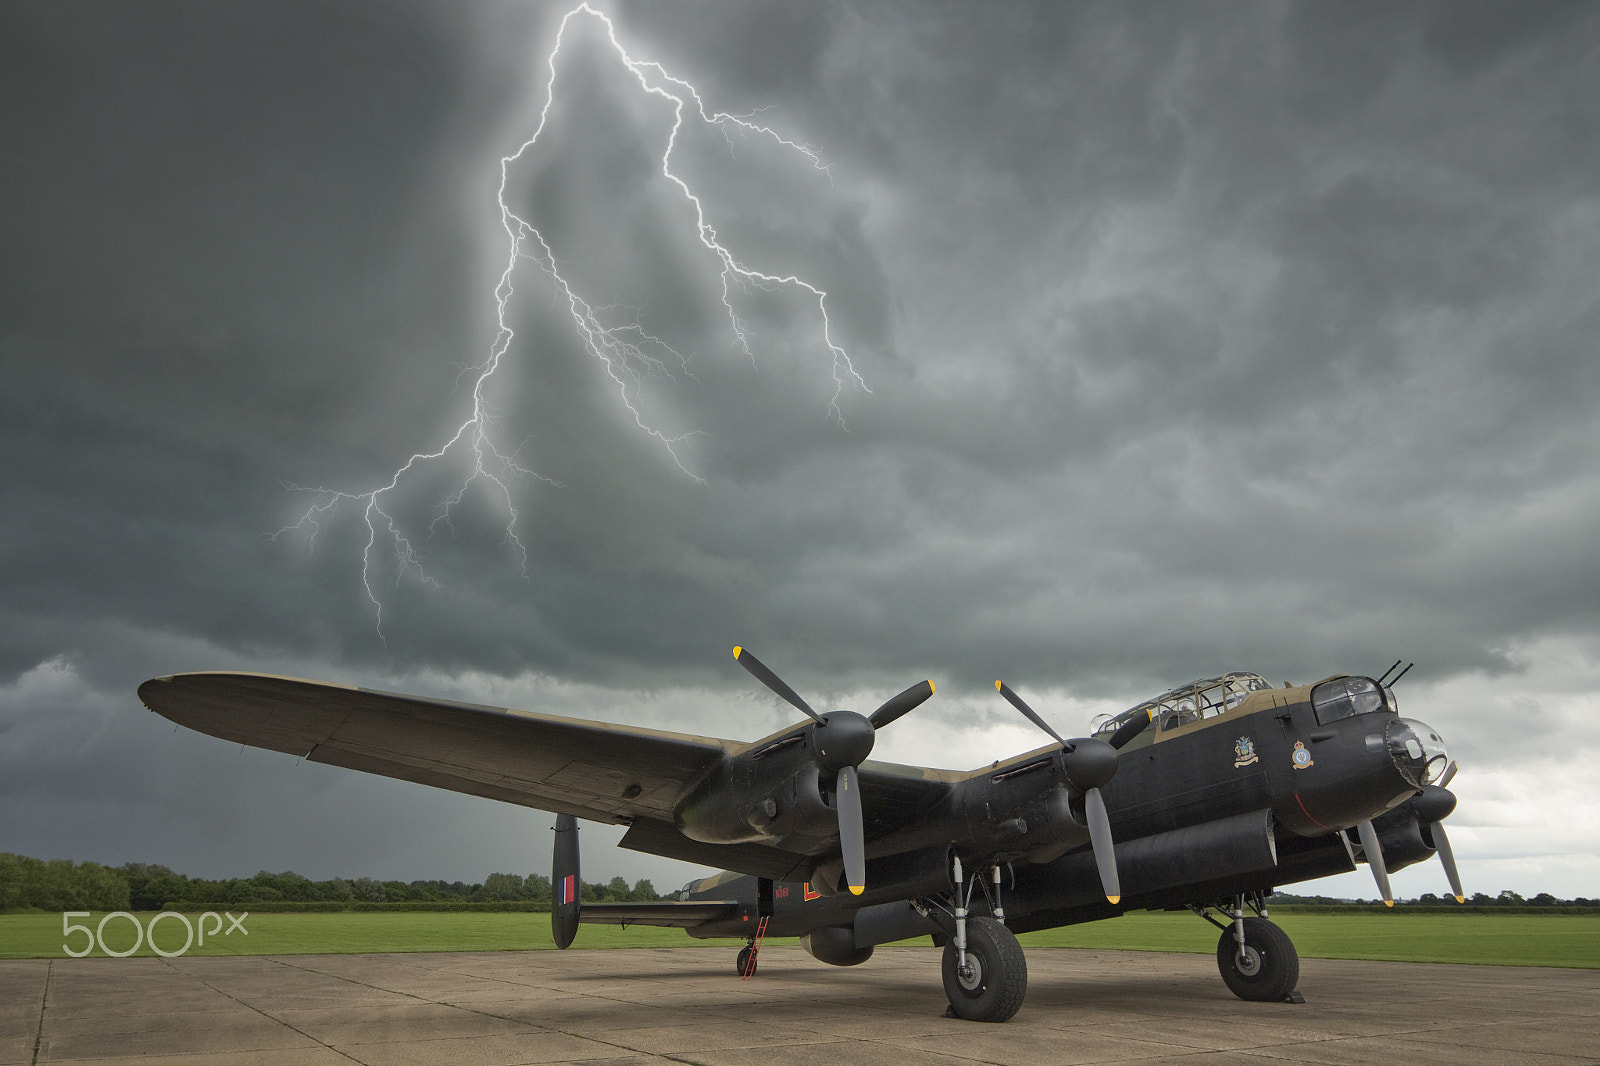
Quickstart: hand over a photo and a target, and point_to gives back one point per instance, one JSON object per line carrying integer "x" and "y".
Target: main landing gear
{"x": 986, "y": 981}
{"x": 1256, "y": 958}
{"x": 985, "y": 972}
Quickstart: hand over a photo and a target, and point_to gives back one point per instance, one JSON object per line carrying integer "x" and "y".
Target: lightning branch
{"x": 614, "y": 336}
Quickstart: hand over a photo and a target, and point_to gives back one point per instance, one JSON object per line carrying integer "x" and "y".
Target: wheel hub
{"x": 970, "y": 976}
{"x": 1248, "y": 961}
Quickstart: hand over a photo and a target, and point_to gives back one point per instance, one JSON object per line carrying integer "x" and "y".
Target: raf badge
{"x": 1301, "y": 757}
{"x": 1244, "y": 750}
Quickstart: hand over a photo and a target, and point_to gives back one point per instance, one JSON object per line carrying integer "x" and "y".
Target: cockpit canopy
{"x": 1344, "y": 697}
{"x": 1197, "y": 700}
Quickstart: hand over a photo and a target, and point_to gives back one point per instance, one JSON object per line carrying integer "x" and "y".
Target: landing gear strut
{"x": 1256, "y": 958}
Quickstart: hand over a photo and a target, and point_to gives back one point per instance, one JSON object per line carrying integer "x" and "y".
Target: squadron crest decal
{"x": 1244, "y": 751}
{"x": 1301, "y": 757}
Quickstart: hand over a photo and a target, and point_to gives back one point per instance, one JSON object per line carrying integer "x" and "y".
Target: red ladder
{"x": 755, "y": 949}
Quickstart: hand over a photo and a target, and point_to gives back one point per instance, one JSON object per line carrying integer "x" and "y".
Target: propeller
{"x": 1433, "y": 806}
{"x": 1105, "y": 856}
{"x": 1373, "y": 853}
{"x": 898, "y": 705}
{"x": 1430, "y": 807}
{"x": 1089, "y": 763}
{"x": 1130, "y": 729}
{"x": 761, "y": 673}
{"x": 1447, "y": 858}
{"x": 842, "y": 740}
{"x": 852, "y": 835}
{"x": 1028, "y": 713}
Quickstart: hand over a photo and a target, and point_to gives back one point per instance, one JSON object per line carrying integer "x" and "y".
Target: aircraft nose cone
{"x": 1417, "y": 751}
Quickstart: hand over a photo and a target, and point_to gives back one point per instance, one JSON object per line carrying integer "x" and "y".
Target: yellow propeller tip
{"x": 1388, "y": 903}
{"x": 1113, "y": 899}
{"x": 931, "y": 689}
{"x": 736, "y": 651}
{"x": 1461, "y": 899}
{"x": 997, "y": 686}
{"x": 856, "y": 890}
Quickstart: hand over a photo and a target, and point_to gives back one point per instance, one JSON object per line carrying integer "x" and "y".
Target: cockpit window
{"x": 1206, "y": 699}
{"x": 1344, "y": 697}
{"x": 1194, "y": 702}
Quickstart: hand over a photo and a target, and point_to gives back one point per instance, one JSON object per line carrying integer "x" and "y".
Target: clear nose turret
{"x": 1417, "y": 750}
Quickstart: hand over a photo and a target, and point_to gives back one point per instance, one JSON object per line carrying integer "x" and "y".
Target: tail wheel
{"x": 1265, "y": 969}
{"x": 991, "y": 987}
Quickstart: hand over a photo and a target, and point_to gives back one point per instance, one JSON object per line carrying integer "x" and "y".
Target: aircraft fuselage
{"x": 1242, "y": 800}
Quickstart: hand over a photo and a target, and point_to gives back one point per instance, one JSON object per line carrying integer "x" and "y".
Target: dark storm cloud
{"x": 1197, "y": 337}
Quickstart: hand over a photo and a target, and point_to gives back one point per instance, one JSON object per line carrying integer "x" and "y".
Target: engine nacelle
{"x": 759, "y": 796}
{"x": 836, "y": 946}
{"x": 1013, "y": 824}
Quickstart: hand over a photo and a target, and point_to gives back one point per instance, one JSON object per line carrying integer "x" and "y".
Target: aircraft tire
{"x": 996, "y": 981}
{"x": 1270, "y": 967}
{"x": 744, "y": 961}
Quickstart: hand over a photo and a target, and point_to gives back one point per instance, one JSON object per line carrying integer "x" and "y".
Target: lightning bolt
{"x": 613, "y": 335}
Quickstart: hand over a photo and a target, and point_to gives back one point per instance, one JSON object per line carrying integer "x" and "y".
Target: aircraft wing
{"x": 592, "y": 770}
{"x": 620, "y": 774}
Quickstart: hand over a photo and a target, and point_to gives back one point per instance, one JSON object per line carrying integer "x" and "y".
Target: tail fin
{"x": 564, "y": 882}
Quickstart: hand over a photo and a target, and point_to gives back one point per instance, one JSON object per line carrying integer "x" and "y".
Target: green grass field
{"x": 1503, "y": 940}
{"x": 1493, "y": 939}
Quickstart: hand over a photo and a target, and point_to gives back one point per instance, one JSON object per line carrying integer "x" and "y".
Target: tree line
{"x": 63, "y": 885}
{"x": 1507, "y": 898}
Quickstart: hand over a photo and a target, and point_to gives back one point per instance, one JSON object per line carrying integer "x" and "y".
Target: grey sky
{"x": 1198, "y": 337}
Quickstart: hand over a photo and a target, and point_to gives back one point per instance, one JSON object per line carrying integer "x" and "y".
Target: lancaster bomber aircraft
{"x": 1207, "y": 797}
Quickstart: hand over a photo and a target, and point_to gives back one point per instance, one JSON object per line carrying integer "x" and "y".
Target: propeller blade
{"x": 1449, "y": 772}
{"x": 1105, "y": 855}
{"x": 907, "y": 700}
{"x": 760, "y": 672}
{"x": 1016, "y": 701}
{"x": 1447, "y": 857}
{"x": 1130, "y": 729}
{"x": 852, "y": 843}
{"x": 1374, "y": 856}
